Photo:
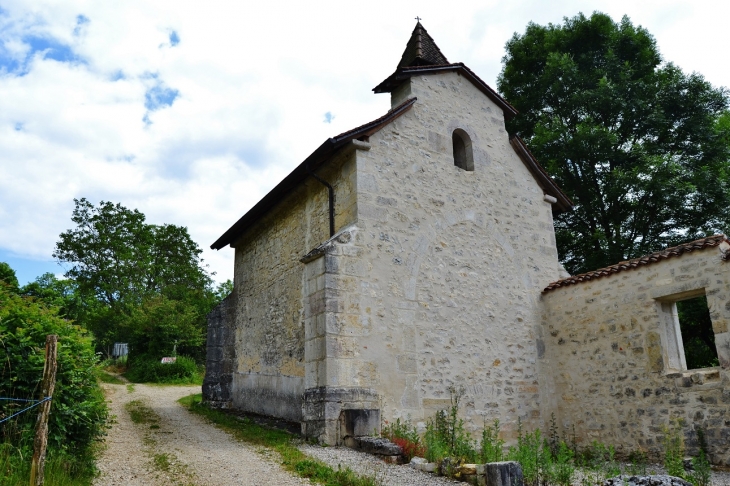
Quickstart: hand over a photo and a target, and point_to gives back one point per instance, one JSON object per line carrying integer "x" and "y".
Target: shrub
{"x": 79, "y": 414}
{"x": 673, "y": 451}
{"x": 405, "y": 435}
{"x": 147, "y": 369}
{"x": 446, "y": 437}
{"x": 492, "y": 447}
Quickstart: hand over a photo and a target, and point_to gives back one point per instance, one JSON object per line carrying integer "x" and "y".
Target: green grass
{"x": 282, "y": 442}
{"x": 141, "y": 413}
{"x": 60, "y": 469}
{"x": 105, "y": 377}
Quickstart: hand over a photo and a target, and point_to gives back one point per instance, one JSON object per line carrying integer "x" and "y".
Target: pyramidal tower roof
{"x": 421, "y": 50}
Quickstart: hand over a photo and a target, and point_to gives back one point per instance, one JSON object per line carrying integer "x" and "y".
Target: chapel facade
{"x": 414, "y": 258}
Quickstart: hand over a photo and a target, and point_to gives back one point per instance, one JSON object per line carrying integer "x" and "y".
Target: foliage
{"x": 673, "y": 450}
{"x": 560, "y": 468}
{"x": 697, "y": 334}
{"x": 601, "y": 460}
{"x": 147, "y": 369}
{"x": 491, "y": 448}
{"x": 61, "y": 469}
{"x": 224, "y": 289}
{"x": 139, "y": 283}
{"x": 160, "y": 326}
{"x": 405, "y": 435}
{"x": 282, "y": 442}
{"x": 78, "y": 411}
{"x": 641, "y": 148}
{"x": 8, "y": 277}
{"x": 701, "y": 473}
{"x": 446, "y": 436}
{"x": 529, "y": 453}
{"x": 62, "y": 294}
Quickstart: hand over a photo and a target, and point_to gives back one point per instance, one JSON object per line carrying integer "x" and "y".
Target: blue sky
{"x": 191, "y": 113}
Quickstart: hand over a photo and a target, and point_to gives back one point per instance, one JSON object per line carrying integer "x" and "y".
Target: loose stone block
{"x": 503, "y": 474}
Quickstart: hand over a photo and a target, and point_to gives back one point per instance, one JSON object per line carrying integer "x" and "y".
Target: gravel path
{"x": 175, "y": 447}
{"x": 367, "y": 465}
{"x": 178, "y": 447}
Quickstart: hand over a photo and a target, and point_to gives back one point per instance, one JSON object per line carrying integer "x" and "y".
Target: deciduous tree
{"x": 640, "y": 147}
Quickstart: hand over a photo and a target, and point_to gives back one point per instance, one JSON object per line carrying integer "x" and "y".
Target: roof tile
{"x": 701, "y": 244}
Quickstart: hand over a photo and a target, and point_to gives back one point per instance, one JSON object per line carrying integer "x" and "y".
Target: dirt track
{"x": 173, "y": 446}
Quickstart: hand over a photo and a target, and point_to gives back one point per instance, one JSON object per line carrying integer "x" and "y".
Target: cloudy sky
{"x": 192, "y": 111}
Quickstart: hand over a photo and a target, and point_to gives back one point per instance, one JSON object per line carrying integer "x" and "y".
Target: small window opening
{"x": 463, "y": 156}
{"x": 698, "y": 338}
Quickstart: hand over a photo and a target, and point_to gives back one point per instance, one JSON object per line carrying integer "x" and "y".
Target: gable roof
{"x": 421, "y": 50}
{"x": 543, "y": 179}
{"x": 403, "y": 73}
{"x": 422, "y": 56}
{"x": 701, "y": 244}
{"x": 302, "y": 172}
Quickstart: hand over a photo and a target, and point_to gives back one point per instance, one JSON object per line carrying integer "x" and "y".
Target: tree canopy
{"x": 641, "y": 148}
{"x": 129, "y": 273}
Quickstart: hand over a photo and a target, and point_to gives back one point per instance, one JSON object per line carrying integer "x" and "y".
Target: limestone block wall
{"x": 610, "y": 352}
{"x": 268, "y": 326}
{"x": 439, "y": 283}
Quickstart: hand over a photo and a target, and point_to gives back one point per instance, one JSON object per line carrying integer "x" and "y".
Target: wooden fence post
{"x": 40, "y": 443}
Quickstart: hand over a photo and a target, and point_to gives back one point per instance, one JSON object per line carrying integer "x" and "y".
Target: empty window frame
{"x": 463, "y": 154}
{"x": 688, "y": 336}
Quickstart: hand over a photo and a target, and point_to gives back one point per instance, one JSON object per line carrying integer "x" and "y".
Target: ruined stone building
{"x": 416, "y": 254}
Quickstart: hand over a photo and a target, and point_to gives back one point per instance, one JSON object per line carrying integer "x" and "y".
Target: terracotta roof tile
{"x": 701, "y": 244}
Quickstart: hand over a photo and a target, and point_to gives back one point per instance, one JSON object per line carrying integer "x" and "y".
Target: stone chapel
{"x": 415, "y": 255}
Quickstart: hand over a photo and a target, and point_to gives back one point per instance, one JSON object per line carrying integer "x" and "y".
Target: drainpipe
{"x": 331, "y": 199}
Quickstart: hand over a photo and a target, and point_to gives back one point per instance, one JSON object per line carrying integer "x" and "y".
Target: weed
{"x": 637, "y": 464}
{"x": 405, "y": 435}
{"x": 673, "y": 450}
{"x": 162, "y": 461}
{"x": 529, "y": 454}
{"x": 701, "y": 471}
{"x": 130, "y": 388}
{"x": 141, "y": 413}
{"x": 492, "y": 447}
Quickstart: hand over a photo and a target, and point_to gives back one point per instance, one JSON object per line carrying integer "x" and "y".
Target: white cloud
{"x": 252, "y": 83}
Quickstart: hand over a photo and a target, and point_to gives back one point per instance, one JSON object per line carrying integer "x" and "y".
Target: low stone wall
{"x": 614, "y": 361}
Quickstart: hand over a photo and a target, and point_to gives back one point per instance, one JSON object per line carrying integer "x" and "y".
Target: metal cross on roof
{"x": 418, "y": 19}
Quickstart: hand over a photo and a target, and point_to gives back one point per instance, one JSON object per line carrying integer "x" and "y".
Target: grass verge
{"x": 60, "y": 470}
{"x": 105, "y": 377}
{"x": 282, "y": 442}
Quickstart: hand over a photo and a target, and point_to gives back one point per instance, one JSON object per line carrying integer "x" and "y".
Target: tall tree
{"x": 641, "y": 148}
{"x": 122, "y": 265}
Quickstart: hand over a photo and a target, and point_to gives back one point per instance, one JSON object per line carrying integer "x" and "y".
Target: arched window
{"x": 463, "y": 156}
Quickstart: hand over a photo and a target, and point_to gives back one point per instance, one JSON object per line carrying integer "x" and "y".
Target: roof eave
{"x": 315, "y": 160}
{"x": 563, "y": 202}
{"x": 403, "y": 73}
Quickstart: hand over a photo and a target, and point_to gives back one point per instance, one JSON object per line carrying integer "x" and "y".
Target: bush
{"x": 404, "y": 435}
{"x": 79, "y": 414}
{"x": 147, "y": 369}
{"x": 446, "y": 437}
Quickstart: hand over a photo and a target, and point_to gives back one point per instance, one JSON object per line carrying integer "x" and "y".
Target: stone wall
{"x": 220, "y": 356}
{"x": 437, "y": 284}
{"x": 611, "y": 355}
{"x": 268, "y": 326}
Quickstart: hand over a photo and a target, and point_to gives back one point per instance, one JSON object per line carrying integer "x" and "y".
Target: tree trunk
{"x": 41, "y": 426}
